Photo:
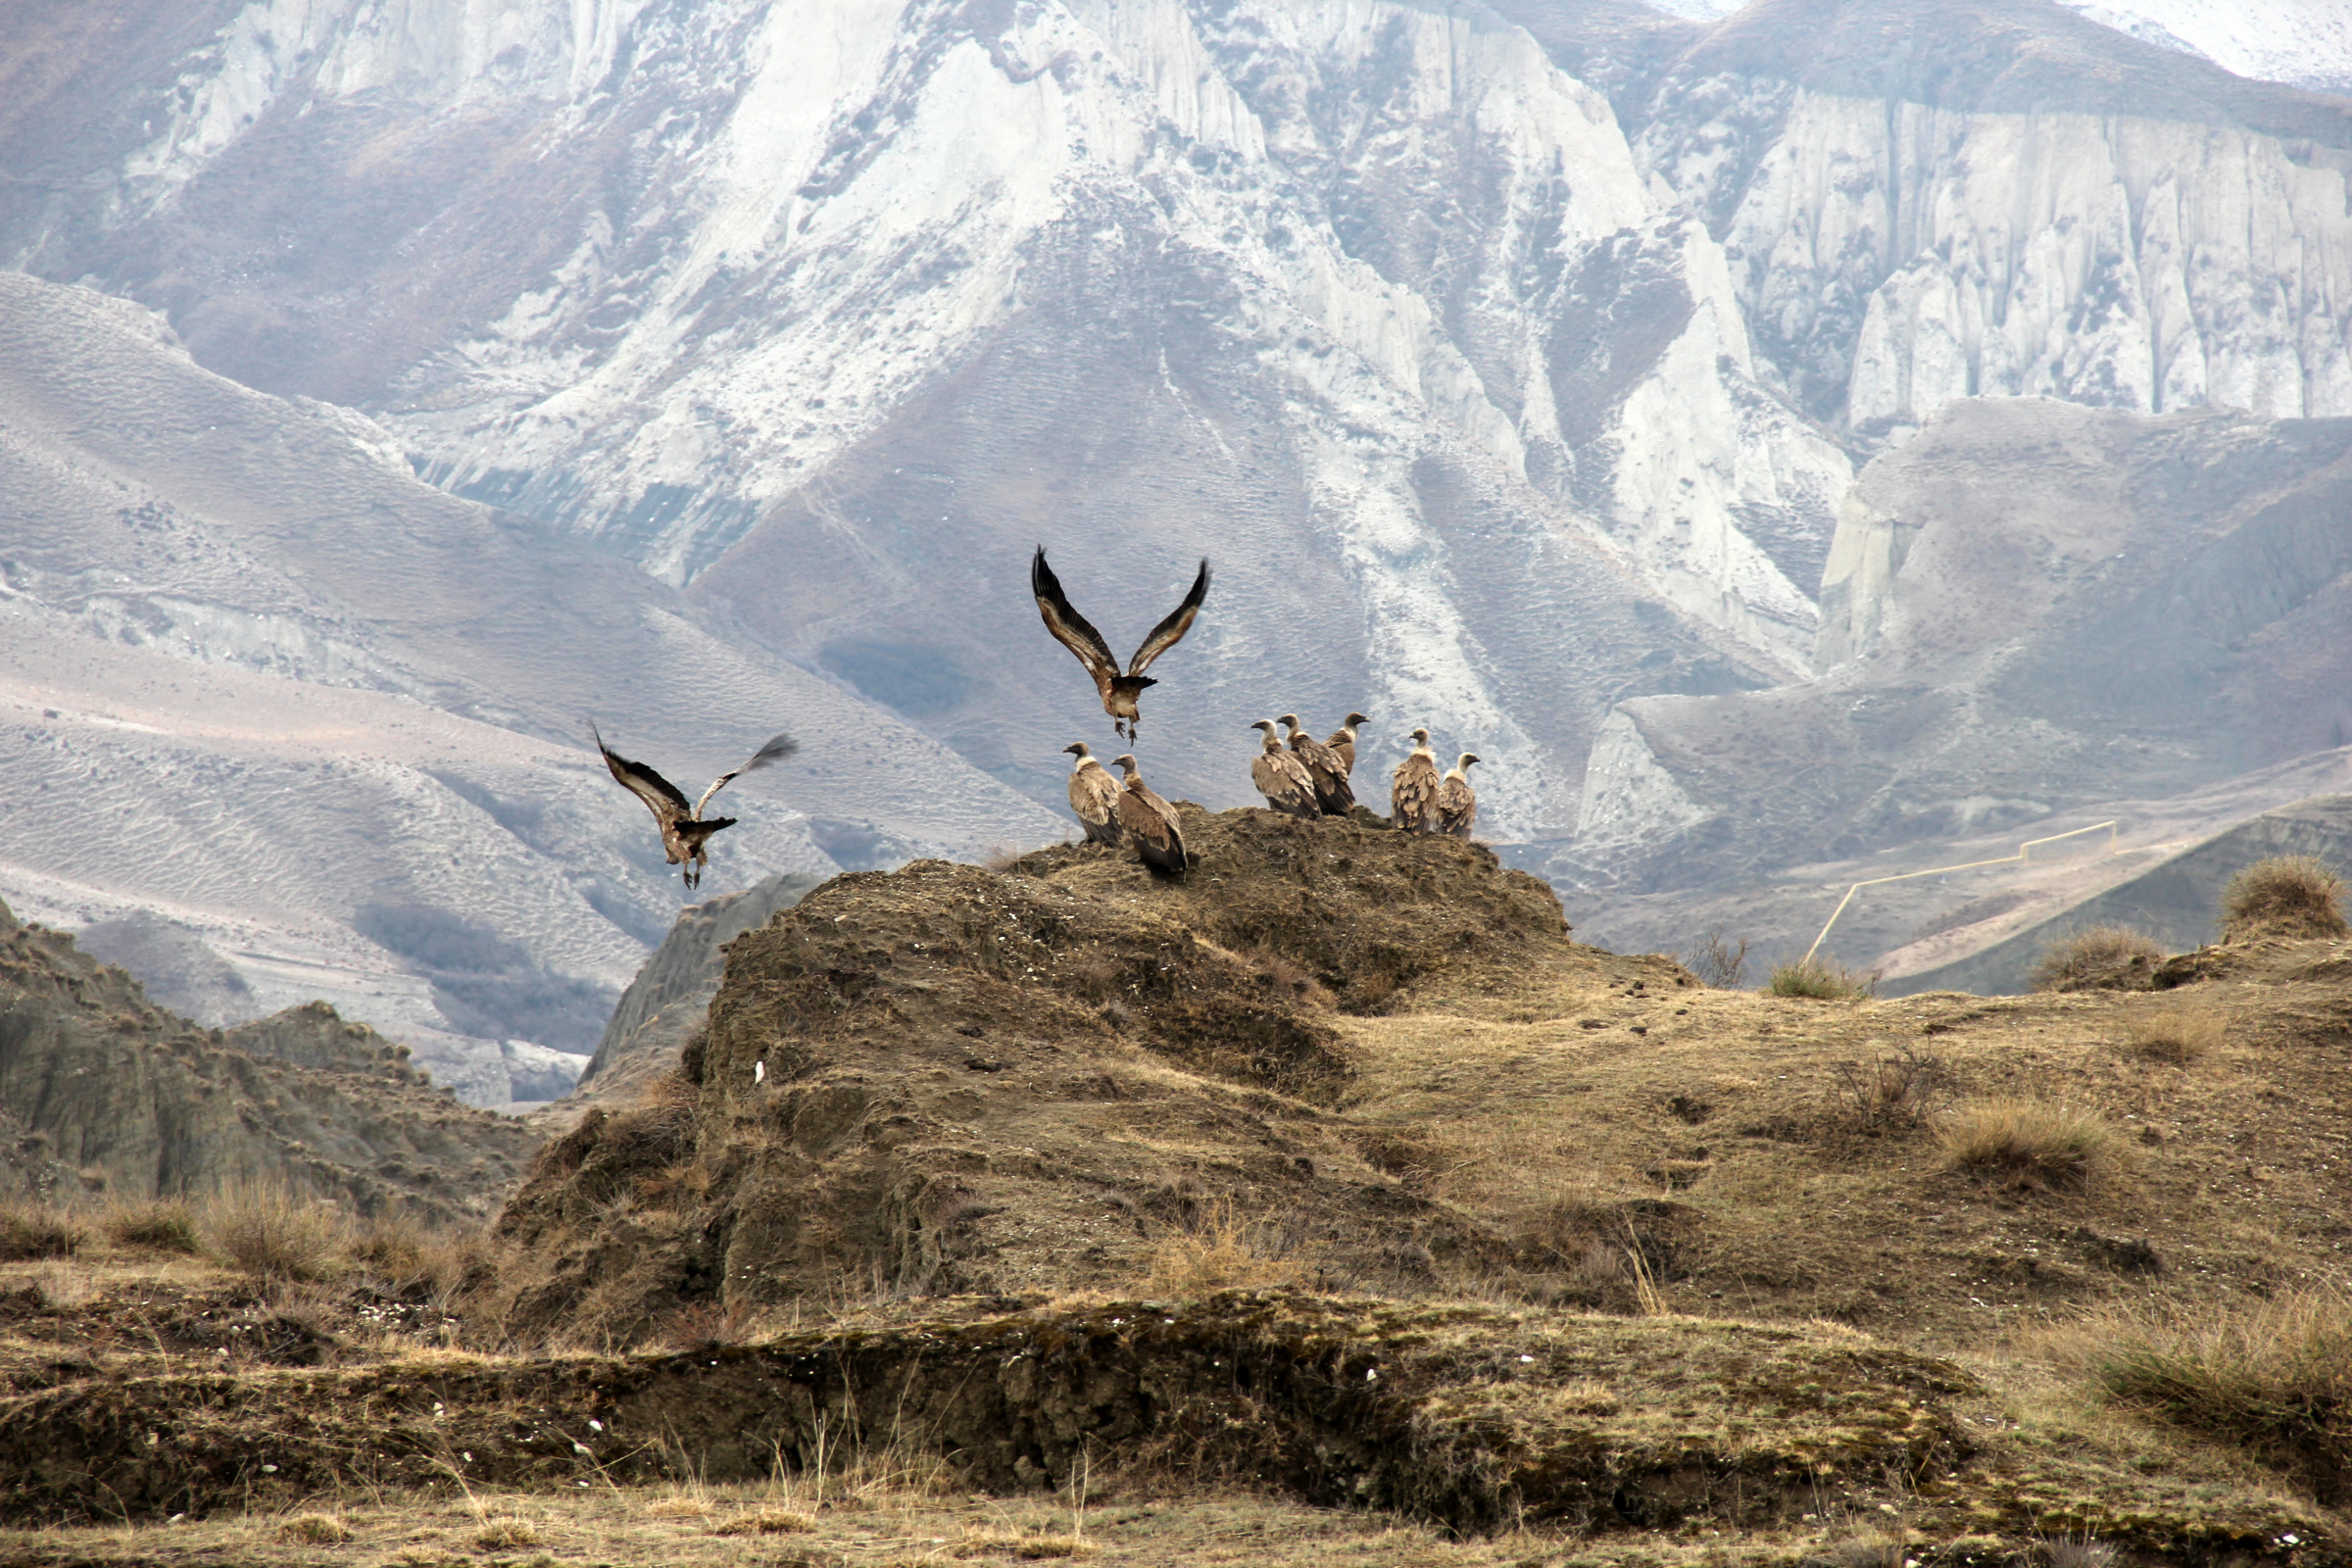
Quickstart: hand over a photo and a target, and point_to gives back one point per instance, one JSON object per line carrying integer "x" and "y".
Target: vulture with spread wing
{"x": 685, "y": 831}
{"x": 1076, "y": 633}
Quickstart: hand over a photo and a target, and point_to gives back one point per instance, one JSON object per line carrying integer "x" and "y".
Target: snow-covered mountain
{"x": 1510, "y": 362}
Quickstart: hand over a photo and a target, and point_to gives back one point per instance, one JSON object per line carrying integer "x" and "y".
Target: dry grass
{"x": 1820, "y": 981}
{"x": 509, "y": 1531}
{"x": 768, "y": 1522}
{"x": 2106, "y": 957}
{"x": 268, "y": 1233}
{"x": 2032, "y": 1142}
{"x": 1027, "y": 1547}
{"x": 1892, "y": 1092}
{"x": 2287, "y": 895}
{"x": 32, "y": 1231}
{"x": 158, "y": 1225}
{"x": 1218, "y": 1251}
{"x": 315, "y": 1529}
{"x": 2179, "y": 1032}
{"x": 1718, "y": 965}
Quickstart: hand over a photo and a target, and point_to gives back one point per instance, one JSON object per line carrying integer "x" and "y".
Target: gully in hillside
{"x": 685, "y": 833}
{"x": 1076, "y": 633}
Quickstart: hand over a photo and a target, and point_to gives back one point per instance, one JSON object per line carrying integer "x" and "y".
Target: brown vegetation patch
{"x": 2285, "y": 896}
{"x": 2103, "y": 957}
{"x": 2031, "y": 1142}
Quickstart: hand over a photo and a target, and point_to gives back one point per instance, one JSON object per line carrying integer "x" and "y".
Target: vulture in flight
{"x": 1094, "y": 795}
{"x": 1149, "y": 820}
{"x": 685, "y": 832}
{"x": 1457, "y": 802}
{"x": 1414, "y": 799}
{"x": 1323, "y": 768}
{"x": 1343, "y": 742}
{"x": 1076, "y": 633}
{"x": 1280, "y": 777}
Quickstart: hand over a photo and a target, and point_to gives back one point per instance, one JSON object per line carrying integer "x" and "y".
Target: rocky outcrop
{"x": 137, "y": 1102}
{"x": 670, "y": 1001}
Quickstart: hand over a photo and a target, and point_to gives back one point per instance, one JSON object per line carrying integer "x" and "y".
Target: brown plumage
{"x": 685, "y": 832}
{"x": 1323, "y": 768}
{"x": 1413, "y": 798}
{"x": 1076, "y": 633}
{"x": 1343, "y": 742}
{"x": 1094, "y": 795}
{"x": 1150, "y": 821}
{"x": 1280, "y": 777}
{"x": 1457, "y": 802}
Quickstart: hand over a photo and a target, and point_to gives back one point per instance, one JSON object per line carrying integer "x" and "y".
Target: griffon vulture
{"x": 1074, "y": 633}
{"x": 1413, "y": 798}
{"x": 1343, "y": 742}
{"x": 1280, "y": 777}
{"x": 1094, "y": 795}
{"x": 1457, "y": 802}
{"x": 1323, "y": 767}
{"x": 1150, "y": 821}
{"x": 685, "y": 833}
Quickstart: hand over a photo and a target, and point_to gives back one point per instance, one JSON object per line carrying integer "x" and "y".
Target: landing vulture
{"x": 685, "y": 834}
{"x": 1280, "y": 777}
{"x": 1150, "y": 821}
{"x": 1323, "y": 767}
{"x": 1074, "y": 633}
{"x": 1094, "y": 795}
{"x": 1457, "y": 802}
{"x": 1414, "y": 799}
{"x": 1343, "y": 741}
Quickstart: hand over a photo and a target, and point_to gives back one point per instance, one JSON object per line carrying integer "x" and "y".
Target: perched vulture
{"x": 1094, "y": 795}
{"x": 685, "y": 833}
{"x": 1414, "y": 799}
{"x": 1457, "y": 802}
{"x": 1343, "y": 742}
{"x": 1280, "y": 777}
{"x": 1150, "y": 821}
{"x": 1323, "y": 768}
{"x": 1074, "y": 633}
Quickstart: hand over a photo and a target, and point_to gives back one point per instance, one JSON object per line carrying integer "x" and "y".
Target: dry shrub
{"x": 158, "y": 1225}
{"x": 1215, "y": 1251}
{"x": 2032, "y": 1142}
{"x": 271, "y": 1233}
{"x": 1820, "y": 981}
{"x": 768, "y": 1522}
{"x": 681, "y": 1505}
{"x": 506, "y": 1532}
{"x": 28, "y": 1231}
{"x": 2101, "y": 958}
{"x": 1718, "y": 965}
{"x": 315, "y": 1529}
{"x": 2287, "y": 895}
{"x": 1889, "y": 1093}
{"x": 1031, "y": 1548}
{"x": 2180, "y": 1033}
{"x": 2271, "y": 1375}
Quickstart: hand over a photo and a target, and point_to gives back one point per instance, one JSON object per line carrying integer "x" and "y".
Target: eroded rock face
{"x": 949, "y": 1078}
{"x": 142, "y": 1103}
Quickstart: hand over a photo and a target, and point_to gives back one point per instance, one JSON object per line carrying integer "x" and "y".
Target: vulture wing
{"x": 660, "y": 795}
{"x": 1169, "y": 632}
{"x": 1069, "y": 628}
{"x": 778, "y": 748}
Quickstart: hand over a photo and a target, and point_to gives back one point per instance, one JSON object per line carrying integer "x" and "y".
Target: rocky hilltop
{"x": 100, "y": 1090}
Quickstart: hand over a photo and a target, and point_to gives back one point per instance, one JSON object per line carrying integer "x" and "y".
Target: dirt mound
{"x": 142, "y": 1103}
{"x": 946, "y": 1078}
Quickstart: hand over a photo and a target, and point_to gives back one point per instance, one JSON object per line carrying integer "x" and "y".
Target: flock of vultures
{"x": 1304, "y": 777}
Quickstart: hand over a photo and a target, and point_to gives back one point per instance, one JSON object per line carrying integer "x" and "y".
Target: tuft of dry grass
{"x": 30, "y": 1231}
{"x": 271, "y": 1233}
{"x": 1718, "y": 965}
{"x": 2286, "y": 895}
{"x": 158, "y": 1225}
{"x": 315, "y": 1529}
{"x": 2099, "y": 957}
{"x": 1820, "y": 981}
{"x": 768, "y": 1522}
{"x": 2032, "y": 1142}
{"x": 1030, "y": 1548}
{"x": 2180, "y": 1033}
{"x": 509, "y": 1531}
{"x": 2271, "y": 1375}
{"x": 1889, "y": 1093}
{"x": 1216, "y": 1252}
